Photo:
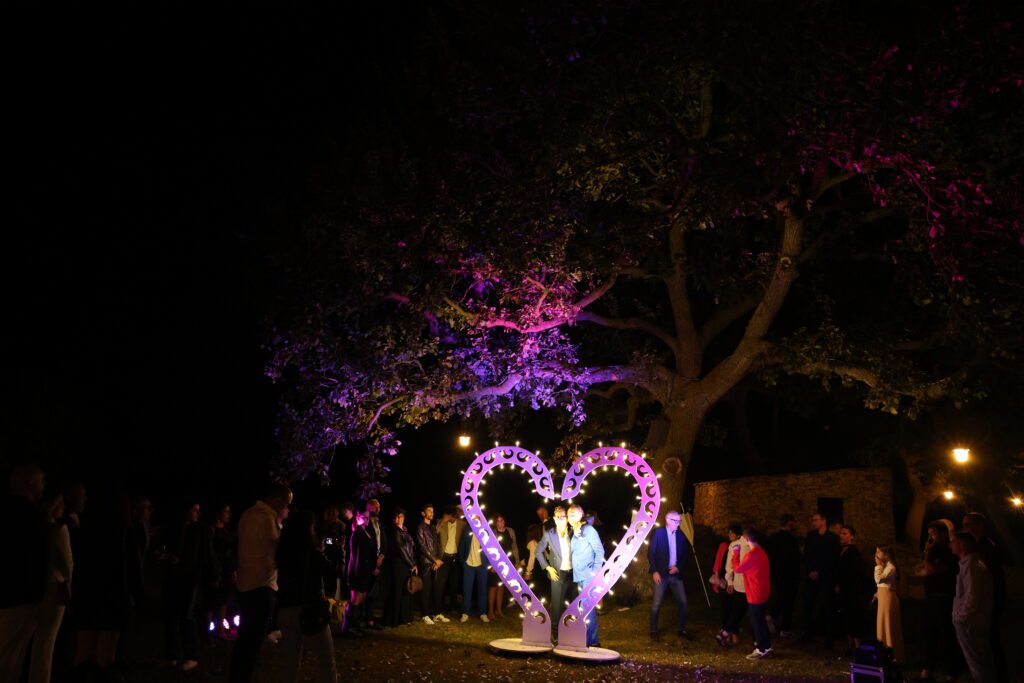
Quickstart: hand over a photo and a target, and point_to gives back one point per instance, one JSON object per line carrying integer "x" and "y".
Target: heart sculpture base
{"x": 518, "y": 647}
{"x": 591, "y": 654}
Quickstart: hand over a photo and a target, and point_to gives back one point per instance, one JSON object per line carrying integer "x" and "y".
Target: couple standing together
{"x": 570, "y": 553}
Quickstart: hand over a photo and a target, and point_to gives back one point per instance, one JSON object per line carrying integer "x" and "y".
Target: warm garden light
{"x": 948, "y": 495}
{"x": 1017, "y": 502}
{"x": 961, "y": 455}
{"x": 464, "y": 441}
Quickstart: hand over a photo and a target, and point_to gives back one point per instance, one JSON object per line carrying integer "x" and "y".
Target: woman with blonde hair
{"x": 888, "y": 626}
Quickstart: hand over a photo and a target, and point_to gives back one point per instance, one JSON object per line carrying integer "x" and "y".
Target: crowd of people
{"x": 283, "y": 575}
{"x": 963, "y": 573}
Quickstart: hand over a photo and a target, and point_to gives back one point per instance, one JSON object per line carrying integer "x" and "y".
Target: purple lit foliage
{"x": 622, "y": 212}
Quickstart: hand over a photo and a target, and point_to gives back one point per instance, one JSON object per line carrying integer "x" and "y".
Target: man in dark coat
{"x": 667, "y": 554}
{"x": 783, "y": 550}
{"x": 821, "y": 551}
{"x": 23, "y": 569}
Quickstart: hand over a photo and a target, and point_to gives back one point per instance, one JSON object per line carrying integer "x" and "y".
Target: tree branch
{"x": 638, "y": 324}
{"x": 732, "y": 369}
{"x": 687, "y": 349}
{"x": 724, "y": 317}
{"x": 474, "y": 319}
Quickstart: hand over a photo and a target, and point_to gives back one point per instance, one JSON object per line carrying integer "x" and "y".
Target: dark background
{"x": 159, "y": 161}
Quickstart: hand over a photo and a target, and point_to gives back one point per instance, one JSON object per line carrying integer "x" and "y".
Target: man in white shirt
{"x": 257, "y": 578}
{"x": 972, "y": 607}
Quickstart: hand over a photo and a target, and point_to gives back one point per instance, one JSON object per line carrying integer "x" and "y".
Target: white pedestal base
{"x": 517, "y": 646}
{"x": 591, "y": 654}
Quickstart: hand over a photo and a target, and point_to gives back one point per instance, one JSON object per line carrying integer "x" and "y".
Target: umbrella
{"x": 686, "y": 526}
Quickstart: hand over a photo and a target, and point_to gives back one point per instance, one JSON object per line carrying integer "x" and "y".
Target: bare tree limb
{"x": 638, "y": 324}
{"x": 724, "y": 317}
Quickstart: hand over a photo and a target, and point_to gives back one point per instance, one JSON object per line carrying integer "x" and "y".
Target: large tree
{"x": 623, "y": 212}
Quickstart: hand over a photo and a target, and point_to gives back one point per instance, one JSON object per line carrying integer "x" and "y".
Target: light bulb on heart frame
{"x": 536, "y": 620}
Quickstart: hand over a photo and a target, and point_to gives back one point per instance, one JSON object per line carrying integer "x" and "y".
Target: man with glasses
{"x": 666, "y": 554}
{"x": 554, "y": 553}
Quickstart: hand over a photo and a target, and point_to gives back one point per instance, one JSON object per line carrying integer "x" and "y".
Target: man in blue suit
{"x": 554, "y": 553}
{"x": 667, "y": 553}
{"x": 587, "y": 558}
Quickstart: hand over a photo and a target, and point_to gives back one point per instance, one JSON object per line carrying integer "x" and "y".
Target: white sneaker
{"x": 442, "y": 618}
{"x": 428, "y": 621}
{"x": 756, "y": 654}
{"x": 189, "y": 665}
{"x": 483, "y": 618}
{"x": 464, "y": 619}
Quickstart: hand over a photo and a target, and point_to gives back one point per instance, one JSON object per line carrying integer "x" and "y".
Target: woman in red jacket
{"x": 757, "y": 580}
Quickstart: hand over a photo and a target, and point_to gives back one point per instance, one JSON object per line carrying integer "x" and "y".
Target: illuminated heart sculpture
{"x": 536, "y": 622}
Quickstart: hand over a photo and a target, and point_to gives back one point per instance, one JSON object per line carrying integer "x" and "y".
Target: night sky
{"x": 156, "y": 158}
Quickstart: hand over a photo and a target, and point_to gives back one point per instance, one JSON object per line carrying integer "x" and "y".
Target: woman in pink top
{"x": 757, "y": 581}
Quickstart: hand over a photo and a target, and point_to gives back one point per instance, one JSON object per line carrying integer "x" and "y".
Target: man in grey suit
{"x": 555, "y": 555}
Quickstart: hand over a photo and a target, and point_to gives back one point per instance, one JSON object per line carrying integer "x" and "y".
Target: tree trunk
{"x": 672, "y": 455}
{"x": 923, "y": 496}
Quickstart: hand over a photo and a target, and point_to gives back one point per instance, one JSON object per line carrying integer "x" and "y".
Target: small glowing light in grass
{"x": 1017, "y": 501}
{"x": 948, "y": 495}
{"x": 465, "y": 440}
{"x": 961, "y": 455}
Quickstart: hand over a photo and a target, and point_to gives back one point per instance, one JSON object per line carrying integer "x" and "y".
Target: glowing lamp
{"x": 948, "y": 495}
{"x": 1017, "y": 501}
{"x": 465, "y": 440}
{"x": 961, "y": 455}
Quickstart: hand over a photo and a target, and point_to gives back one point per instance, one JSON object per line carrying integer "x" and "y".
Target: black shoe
{"x": 374, "y": 626}
{"x": 655, "y": 637}
{"x": 685, "y": 635}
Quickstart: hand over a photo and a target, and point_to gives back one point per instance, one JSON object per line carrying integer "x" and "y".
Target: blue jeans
{"x": 474, "y": 578}
{"x": 591, "y": 618}
{"x": 561, "y": 592}
{"x": 674, "y": 583}
{"x": 759, "y": 623}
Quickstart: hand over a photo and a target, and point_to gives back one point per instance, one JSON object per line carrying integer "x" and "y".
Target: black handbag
{"x": 316, "y": 614}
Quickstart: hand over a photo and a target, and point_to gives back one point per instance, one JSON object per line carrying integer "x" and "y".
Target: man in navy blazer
{"x": 667, "y": 554}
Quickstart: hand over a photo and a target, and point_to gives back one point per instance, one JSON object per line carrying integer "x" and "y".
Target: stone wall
{"x": 866, "y": 496}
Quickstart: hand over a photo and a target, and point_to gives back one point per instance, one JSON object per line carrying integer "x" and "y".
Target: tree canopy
{"x": 620, "y": 211}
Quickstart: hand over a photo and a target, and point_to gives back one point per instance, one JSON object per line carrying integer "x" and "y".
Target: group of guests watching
{"x": 963, "y": 575}
{"x": 72, "y": 589}
{"x": 76, "y": 584}
{"x": 68, "y": 589}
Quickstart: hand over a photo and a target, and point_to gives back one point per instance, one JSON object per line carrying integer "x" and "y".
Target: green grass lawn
{"x": 459, "y": 652}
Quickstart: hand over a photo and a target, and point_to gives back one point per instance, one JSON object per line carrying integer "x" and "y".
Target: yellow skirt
{"x": 888, "y": 626}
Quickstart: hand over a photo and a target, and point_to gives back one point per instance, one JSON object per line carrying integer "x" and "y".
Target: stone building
{"x": 860, "y": 497}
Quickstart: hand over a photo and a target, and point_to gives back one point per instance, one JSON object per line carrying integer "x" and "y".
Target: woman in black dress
{"x": 398, "y": 605}
{"x": 361, "y": 574}
{"x": 224, "y": 548}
